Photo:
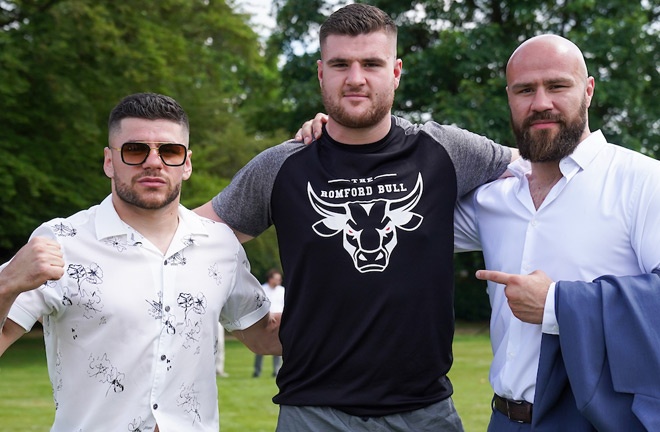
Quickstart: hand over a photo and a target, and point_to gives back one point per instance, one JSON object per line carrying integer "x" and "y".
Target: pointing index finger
{"x": 494, "y": 276}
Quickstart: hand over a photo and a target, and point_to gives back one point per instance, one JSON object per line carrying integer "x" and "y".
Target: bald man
{"x": 577, "y": 207}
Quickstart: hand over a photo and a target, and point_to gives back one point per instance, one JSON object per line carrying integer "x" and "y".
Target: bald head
{"x": 549, "y": 94}
{"x": 548, "y": 50}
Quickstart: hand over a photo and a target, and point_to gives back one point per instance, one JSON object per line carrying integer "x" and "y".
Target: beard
{"x": 127, "y": 193}
{"x": 541, "y": 146}
{"x": 380, "y": 108}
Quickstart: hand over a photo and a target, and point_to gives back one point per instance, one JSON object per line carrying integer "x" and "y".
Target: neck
{"x": 358, "y": 136}
{"x": 542, "y": 179}
{"x": 546, "y": 172}
{"x": 157, "y": 226}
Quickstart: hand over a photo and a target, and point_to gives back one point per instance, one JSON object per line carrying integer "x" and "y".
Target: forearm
{"x": 8, "y": 295}
{"x": 9, "y": 330}
{"x": 40, "y": 260}
{"x": 207, "y": 211}
{"x": 515, "y": 154}
{"x": 263, "y": 337}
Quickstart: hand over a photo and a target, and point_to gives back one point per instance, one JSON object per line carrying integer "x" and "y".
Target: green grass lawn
{"x": 26, "y": 402}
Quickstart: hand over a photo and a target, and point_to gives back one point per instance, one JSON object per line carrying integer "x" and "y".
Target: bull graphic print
{"x": 369, "y": 228}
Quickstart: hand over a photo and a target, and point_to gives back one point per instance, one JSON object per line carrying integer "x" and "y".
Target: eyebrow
{"x": 546, "y": 82}
{"x": 336, "y": 60}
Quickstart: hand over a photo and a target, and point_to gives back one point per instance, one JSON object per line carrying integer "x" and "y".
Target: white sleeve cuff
{"x": 550, "y": 324}
{"x": 21, "y": 317}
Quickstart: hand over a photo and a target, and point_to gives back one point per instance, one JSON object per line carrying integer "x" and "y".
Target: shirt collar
{"x": 109, "y": 224}
{"x": 580, "y": 159}
{"x": 587, "y": 150}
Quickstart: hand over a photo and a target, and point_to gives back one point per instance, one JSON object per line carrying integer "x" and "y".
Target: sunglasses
{"x": 136, "y": 153}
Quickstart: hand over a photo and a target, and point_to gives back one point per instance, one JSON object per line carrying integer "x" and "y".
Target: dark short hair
{"x": 149, "y": 106}
{"x": 272, "y": 272}
{"x": 356, "y": 19}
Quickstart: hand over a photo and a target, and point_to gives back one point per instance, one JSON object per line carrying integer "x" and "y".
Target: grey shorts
{"x": 439, "y": 417}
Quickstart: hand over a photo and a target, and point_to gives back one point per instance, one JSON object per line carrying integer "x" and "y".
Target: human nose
{"x": 541, "y": 101}
{"x": 355, "y": 75}
{"x": 153, "y": 157}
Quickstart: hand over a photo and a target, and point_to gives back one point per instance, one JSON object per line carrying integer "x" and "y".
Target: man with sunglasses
{"x": 131, "y": 290}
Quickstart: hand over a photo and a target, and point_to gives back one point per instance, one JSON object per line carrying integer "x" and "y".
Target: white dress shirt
{"x": 602, "y": 217}
{"x": 130, "y": 333}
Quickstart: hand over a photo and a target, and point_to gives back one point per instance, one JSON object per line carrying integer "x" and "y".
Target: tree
{"x": 454, "y": 54}
{"x": 64, "y": 64}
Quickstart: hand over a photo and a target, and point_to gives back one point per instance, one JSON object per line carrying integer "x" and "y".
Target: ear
{"x": 107, "y": 163}
{"x": 591, "y": 86}
{"x": 319, "y": 71}
{"x": 398, "y": 68}
{"x": 187, "y": 167}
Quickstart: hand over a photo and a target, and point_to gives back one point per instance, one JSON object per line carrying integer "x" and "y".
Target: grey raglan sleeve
{"x": 244, "y": 204}
{"x": 477, "y": 159}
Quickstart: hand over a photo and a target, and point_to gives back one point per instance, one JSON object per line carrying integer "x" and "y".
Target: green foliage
{"x": 264, "y": 254}
{"x": 65, "y": 64}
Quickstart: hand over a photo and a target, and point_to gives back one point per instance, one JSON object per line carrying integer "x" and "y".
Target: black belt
{"x": 518, "y": 411}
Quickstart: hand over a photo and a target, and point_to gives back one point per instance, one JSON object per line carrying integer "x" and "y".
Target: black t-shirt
{"x": 366, "y": 242}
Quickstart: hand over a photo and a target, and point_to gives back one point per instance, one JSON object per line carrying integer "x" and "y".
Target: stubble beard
{"x": 380, "y": 108}
{"x": 541, "y": 146}
{"x": 127, "y": 193}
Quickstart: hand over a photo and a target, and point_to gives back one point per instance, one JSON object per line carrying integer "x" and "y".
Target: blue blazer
{"x": 603, "y": 372}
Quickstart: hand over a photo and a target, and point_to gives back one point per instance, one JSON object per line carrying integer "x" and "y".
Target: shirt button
{"x": 155, "y": 406}
{"x": 163, "y": 357}
{"x": 167, "y": 308}
{"x": 534, "y": 223}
